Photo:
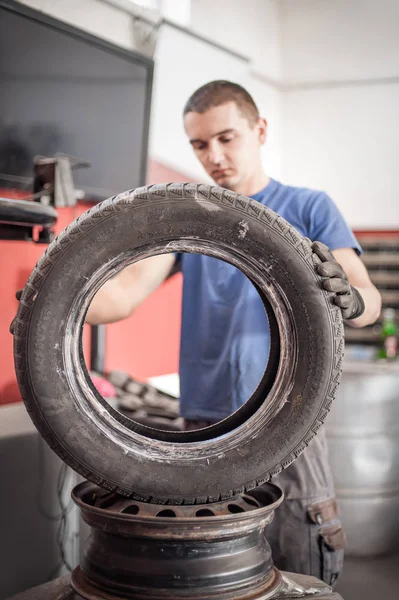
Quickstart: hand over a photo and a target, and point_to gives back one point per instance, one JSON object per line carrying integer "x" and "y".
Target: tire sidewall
{"x": 109, "y": 462}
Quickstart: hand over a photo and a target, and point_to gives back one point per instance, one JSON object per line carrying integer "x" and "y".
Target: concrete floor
{"x": 370, "y": 579}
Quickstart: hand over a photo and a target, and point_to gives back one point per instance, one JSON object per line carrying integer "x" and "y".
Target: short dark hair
{"x": 220, "y": 92}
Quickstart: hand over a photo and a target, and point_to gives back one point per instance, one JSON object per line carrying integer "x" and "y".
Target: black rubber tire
{"x": 22, "y": 212}
{"x": 122, "y": 456}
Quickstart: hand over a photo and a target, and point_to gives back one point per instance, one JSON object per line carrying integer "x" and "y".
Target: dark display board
{"x": 64, "y": 91}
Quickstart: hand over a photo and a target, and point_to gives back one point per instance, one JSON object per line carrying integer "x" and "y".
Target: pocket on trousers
{"x": 332, "y": 547}
{"x": 331, "y": 538}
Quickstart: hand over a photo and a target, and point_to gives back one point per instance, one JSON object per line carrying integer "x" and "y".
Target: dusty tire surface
{"x": 239, "y": 453}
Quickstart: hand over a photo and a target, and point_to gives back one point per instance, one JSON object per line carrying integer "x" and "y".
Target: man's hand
{"x": 348, "y": 298}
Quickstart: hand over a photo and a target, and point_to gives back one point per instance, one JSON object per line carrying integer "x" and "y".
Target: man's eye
{"x": 225, "y": 140}
{"x": 199, "y": 147}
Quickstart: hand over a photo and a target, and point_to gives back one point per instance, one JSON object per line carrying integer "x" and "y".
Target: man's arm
{"x": 121, "y": 295}
{"x": 346, "y": 275}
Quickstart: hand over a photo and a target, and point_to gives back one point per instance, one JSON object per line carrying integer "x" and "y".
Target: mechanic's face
{"x": 226, "y": 144}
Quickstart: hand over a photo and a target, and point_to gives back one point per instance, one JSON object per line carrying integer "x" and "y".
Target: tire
{"x": 22, "y": 212}
{"x": 233, "y": 456}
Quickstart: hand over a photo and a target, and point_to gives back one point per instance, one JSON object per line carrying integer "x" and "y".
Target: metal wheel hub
{"x": 146, "y": 551}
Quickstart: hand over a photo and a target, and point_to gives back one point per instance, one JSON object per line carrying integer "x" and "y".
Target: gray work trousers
{"x": 306, "y": 535}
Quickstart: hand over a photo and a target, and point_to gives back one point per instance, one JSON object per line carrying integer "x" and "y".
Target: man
{"x": 219, "y": 357}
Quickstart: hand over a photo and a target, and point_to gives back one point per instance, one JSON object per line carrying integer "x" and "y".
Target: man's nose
{"x": 215, "y": 154}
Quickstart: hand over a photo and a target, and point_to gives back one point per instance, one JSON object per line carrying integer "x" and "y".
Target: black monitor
{"x": 65, "y": 91}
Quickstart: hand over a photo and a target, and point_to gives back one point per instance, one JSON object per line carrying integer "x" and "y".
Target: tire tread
{"x": 122, "y": 202}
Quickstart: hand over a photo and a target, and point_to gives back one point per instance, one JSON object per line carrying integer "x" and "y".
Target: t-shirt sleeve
{"x": 327, "y": 225}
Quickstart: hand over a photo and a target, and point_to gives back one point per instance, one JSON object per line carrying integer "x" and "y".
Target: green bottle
{"x": 389, "y": 335}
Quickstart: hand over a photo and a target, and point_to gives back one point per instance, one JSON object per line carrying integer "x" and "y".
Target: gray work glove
{"x": 348, "y": 298}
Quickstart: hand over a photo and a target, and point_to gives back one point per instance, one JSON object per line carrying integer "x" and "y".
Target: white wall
{"x": 340, "y": 114}
{"x": 325, "y": 40}
{"x": 345, "y": 141}
{"x": 269, "y": 101}
{"x": 251, "y": 28}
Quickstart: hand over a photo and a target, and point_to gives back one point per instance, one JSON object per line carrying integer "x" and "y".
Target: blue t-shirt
{"x": 225, "y": 334}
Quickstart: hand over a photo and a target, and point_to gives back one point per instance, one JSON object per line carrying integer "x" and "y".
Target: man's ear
{"x": 262, "y": 130}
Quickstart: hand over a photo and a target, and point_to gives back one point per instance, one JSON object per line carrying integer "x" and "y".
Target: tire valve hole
{"x": 234, "y": 508}
{"x": 166, "y": 513}
{"x": 204, "y": 512}
{"x": 133, "y": 509}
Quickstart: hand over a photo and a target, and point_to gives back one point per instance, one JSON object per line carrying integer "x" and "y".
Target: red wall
{"x": 17, "y": 259}
{"x": 146, "y": 344}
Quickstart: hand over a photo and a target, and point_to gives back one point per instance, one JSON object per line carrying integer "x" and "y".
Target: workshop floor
{"x": 370, "y": 579}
